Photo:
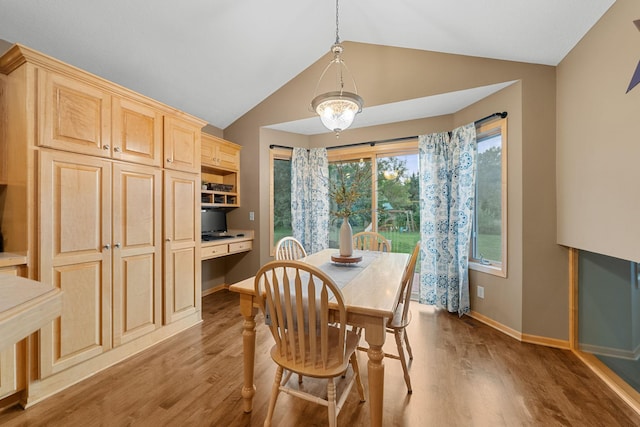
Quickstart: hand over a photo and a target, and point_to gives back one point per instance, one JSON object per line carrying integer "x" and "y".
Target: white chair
{"x": 402, "y": 317}
{"x": 307, "y": 319}
{"x": 371, "y": 241}
{"x": 289, "y": 248}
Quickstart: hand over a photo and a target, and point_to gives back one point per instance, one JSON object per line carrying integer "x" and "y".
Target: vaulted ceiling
{"x": 218, "y": 59}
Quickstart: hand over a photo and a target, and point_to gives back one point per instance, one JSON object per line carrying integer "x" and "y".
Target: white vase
{"x": 346, "y": 238}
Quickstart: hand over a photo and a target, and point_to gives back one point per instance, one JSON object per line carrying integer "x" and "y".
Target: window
{"x": 398, "y": 200}
{"x": 280, "y": 201}
{"x": 389, "y": 204}
{"x": 394, "y": 207}
{"x": 361, "y": 220}
{"x": 489, "y": 232}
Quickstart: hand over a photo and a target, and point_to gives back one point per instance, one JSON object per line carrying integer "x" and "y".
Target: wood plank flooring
{"x": 463, "y": 374}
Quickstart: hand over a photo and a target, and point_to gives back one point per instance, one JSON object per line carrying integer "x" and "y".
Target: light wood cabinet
{"x": 3, "y": 132}
{"x": 86, "y": 202}
{"x": 220, "y": 154}
{"x": 220, "y": 161}
{"x": 8, "y": 374}
{"x": 182, "y": 145}
{"x": 81, "y": 118}
{"x": 101, "y": 245}
{"x": 236, "y": 245}
{"x": 8, "y": 361}
{"x": 137, "y": 251}
{"x": 137, "y": 132}
{"x": 182, "y": 290}
{"x": 73, "y": 116}
{"x": 75, "y": 244}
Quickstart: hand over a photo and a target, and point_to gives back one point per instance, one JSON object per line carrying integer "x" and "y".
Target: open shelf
{"x": 217, "y": 199}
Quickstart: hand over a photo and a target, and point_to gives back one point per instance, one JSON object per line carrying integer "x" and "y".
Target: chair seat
{"x": 397, "y": 322}
{"x": 333, "y": 368}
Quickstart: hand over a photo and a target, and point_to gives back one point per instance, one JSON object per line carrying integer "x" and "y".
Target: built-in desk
{"x": 223, "y": 247}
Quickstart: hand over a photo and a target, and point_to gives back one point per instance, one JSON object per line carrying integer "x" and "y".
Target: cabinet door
{"x": 228, "y": 156}
{"x": 182, "y": 288}
{"x": 208, "y": 148}
{"x": 137, "y": 247}
{"x": 75, "y": 255}
{"x": 8, "y": 374}
{"x": 73, "y": 116}
{"x": 3, "y": 129}
{"x": 137, "y": 132}
{"x": 218, "y": 153}
{"x": 181, "y": 145}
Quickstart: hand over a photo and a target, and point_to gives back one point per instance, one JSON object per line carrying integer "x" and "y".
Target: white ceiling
{"x": 217, "y": 59}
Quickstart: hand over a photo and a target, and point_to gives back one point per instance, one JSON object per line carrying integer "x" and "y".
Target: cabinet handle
{"x": 107, "y": 246}
{"x": 116, "y": 149}
{"x": 169, "y": 160}
{"x": 106, "y": 147}
{"x": 168, "y": 240}
{"x": 117, "y": 246}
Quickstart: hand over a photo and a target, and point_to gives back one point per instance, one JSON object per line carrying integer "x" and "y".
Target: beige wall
{"x": 387, "y": 74}
{"x": 598, "y": 138}
{"x": 503, "y": 296}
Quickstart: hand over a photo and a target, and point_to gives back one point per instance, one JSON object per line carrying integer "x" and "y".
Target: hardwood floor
{"x": 463, "y": 374}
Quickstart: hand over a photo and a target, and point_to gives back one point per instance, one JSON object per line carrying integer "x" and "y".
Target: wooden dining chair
{"x": 371, "y": 241}
{"x": 307, "y": 319}
{"x": 289, "y": 248}
{"x": 397, "y": 325}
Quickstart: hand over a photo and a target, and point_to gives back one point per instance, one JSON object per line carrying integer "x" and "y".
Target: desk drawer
{"x": 213, "y": 251}
{"x": 240, "y": 246}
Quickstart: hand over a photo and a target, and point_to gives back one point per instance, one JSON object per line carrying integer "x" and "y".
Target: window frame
{"x": 488, "y": 266}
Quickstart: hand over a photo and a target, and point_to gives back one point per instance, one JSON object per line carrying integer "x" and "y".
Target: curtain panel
{"x": 310, "y": 198}
{"x": 448, "y": 164}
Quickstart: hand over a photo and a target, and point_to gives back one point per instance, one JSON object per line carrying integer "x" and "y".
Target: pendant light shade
{"x": 337, "y": 109}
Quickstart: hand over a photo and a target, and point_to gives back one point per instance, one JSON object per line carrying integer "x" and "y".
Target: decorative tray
{"x": 346, "y": 259}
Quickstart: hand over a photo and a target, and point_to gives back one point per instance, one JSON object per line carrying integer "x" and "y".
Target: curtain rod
{"x": 502, "y": 115}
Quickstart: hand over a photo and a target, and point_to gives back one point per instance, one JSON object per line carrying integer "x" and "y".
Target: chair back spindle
{"x": 371, "y": 241}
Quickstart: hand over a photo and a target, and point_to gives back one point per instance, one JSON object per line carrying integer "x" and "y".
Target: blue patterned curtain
{"x": 310, "y": 198}
{"x": 448, "y": 166}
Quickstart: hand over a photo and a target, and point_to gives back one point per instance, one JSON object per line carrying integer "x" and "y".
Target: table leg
{"x": 375, "y": 335}
{"x": 249, "y": 312}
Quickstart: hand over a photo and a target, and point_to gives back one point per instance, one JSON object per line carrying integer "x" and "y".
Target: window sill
{"x": 493, "y": 269}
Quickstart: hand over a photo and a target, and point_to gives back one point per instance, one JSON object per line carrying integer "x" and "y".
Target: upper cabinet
{"x": 73, "y": 116}
{"x": 137, "y": 132}
{"x": 219, "y": 154}
{"x": 182, "y": 145}
{"x": 81, "y": 113}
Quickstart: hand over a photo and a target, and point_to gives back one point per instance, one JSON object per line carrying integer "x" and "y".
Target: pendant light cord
{"x": 337, "y": 25}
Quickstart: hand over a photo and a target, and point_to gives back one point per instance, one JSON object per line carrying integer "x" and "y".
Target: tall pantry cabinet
{"x": 102, "y": 195}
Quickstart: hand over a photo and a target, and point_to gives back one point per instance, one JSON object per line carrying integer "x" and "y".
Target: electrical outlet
{"x": 480, "y": 291}
{"x": 251, "y": 216}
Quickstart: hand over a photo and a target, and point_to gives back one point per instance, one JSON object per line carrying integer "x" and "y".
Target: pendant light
{"x": 337, "y": 108}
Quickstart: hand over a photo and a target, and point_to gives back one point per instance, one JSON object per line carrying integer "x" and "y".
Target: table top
{"x": 371, "y": 291}
{"x": 25, "y": 306}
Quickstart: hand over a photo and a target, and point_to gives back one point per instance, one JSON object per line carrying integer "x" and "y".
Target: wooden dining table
{"x": 370, "y": 289}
